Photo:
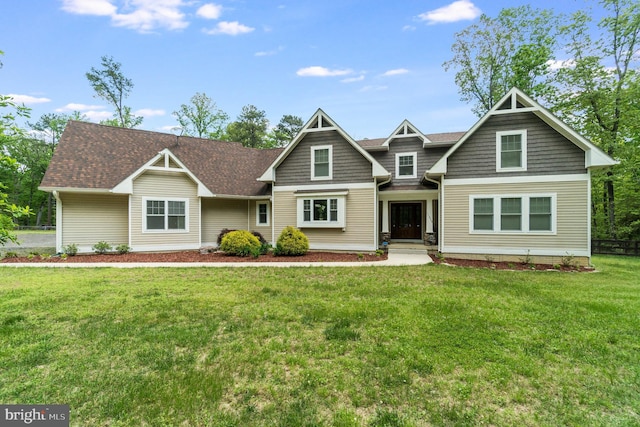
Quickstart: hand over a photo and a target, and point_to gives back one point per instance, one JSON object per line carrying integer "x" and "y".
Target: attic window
{"x": 321, "y": 162}
{"x": 406, "y": 165}
{"x": 511, "y": 151}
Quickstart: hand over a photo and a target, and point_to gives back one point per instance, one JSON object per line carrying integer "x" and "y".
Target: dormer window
{"x": 406, "y": 165}
{"x": 321, "y": 162}
{"x": 511, "y": 151}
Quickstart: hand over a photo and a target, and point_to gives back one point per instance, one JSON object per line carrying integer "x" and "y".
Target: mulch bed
{"x": 507, "y": 265}
{"x": 196, "y": 256}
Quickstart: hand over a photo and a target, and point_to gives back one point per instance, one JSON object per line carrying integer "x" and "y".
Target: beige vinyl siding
{"x": 572, "y": 217}
{"x": 360, "y": 221}
{"x": 90, "y": 218}
{"x": 164, "y": 186}
{"x": 222, "y": 213}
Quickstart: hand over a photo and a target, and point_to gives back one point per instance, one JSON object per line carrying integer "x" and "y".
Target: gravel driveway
{"x": 33, "y": 241}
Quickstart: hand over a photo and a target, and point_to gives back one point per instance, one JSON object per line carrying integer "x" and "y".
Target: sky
{"x": 369, "y": 64}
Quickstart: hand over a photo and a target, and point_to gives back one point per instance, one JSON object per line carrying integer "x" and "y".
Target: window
{"x": 165, "y": 215}
{"x": 321, "y": 162}
{"x": 406, "y": 165}
{"x": 511, "y": 151}
{"x": 540, "y": 214}
{"x": 511, "y": 213}
{"x": 262, "y": 213}
{"x": 321, "y": 211}
{"x": 483, "y": 214}
{"x": 530, "y": 213}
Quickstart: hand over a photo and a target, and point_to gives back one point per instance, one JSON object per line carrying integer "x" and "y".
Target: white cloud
{"x": 408, "y": 28}
{"x": 317, "y": 71}
{"x": 79, "y": 107}
{"x": 396, "y": 72}
{"x": 353, "y": 79}
{"x": 89, "y": 7}
{"x": 229, "y": 28}
{"x": 27, "y": 99}
{"x": 556, "y": 64}
{"x": 148, "y": 112}
{"x": 270, "y": 52}
{"x": 209, "y": 11}
{"x": 97, "y": 116}
{"x": 143, "y": 16}
{"x": 460, "y": 10}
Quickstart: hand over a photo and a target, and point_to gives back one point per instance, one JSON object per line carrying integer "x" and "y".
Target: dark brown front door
{"x": 406, "y": 220}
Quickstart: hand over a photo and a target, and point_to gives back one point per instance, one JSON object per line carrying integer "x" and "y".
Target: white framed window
{"x": 513, "y": 213}
{"x": 321, "y": 211}
{"x": 321, "y": 162}
{"x": 165, "y": 215}
{"x": 406, "y": 165}
{"x": 511, "y": 151}
{"x": 262, "y": 214}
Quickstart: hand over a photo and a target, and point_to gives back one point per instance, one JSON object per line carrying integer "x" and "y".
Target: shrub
{"x": 123, "y": 249}
{"x": 70, "y": 250}
{"x": 240, "y": 243}
{"x": 291, "y": 242}
{"x": 264, "y": 245}
{"x": 11, "y": 254}
{"x": 101, "y": 247}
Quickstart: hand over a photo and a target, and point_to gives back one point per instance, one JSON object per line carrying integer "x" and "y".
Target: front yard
{"x": 379, "y": 346}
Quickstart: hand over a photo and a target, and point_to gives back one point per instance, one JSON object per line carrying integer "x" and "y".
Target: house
{"x": 516, "y": 185}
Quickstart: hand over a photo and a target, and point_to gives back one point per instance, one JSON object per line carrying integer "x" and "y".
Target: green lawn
{"x": 382, "y": 346}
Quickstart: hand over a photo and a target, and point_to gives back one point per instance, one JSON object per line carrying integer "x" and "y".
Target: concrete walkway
{"x": 394, "y": 259}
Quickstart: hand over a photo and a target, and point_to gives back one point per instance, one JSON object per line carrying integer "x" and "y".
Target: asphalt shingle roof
{"x": 92, "y": 156}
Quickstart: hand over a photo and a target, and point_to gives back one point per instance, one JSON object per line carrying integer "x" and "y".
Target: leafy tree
{"x": 111, "y": 85}
{"x": 250, "y": 128}
{"x": 599, "y": 97}
{"x": 285, "y": 131}
{"x": 202, "y": 118}
{"x": 496, "y": 54}
{"x": 9, "y": 130}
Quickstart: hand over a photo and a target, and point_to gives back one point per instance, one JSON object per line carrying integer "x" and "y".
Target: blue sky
{"x": 368, "y": 64}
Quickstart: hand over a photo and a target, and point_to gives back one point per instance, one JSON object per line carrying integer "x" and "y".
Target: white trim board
{"x": 516, "y": 179}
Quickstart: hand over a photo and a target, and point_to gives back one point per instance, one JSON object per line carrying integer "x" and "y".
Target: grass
{"x": 382, "y": 346}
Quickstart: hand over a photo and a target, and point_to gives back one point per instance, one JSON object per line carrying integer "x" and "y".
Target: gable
{"x": 321, "y": 124}
{"x": 547, "y": 151}
{"x": 511, "y": 105}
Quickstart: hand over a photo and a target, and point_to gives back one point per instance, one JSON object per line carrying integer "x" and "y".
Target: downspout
{"x": 379, "y": 227}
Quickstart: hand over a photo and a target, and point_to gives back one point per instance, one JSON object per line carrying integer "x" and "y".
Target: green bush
{"x": 123, "y": 249}
{"x": 240, "y": 243}
{"x": 70, "y": 250}
{"x": 291, "y": 242}
{"x": 101, "y": 247}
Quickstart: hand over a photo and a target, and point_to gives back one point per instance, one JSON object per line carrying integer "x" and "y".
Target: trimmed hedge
{"x": 292, "y": 242}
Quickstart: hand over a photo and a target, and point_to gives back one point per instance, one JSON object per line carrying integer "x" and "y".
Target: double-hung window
{"x": 509, "y": 214}
{"x": 511, "y": 151}
{"x": 321, "y": 162}
{"x": 165, "y": 215}
{"x": 262, "y": 213}
{"x": 406, "y": 165}
{"x": 322, "y": 211}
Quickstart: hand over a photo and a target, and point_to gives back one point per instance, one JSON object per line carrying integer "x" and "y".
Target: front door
{"x": 406, "y": 221}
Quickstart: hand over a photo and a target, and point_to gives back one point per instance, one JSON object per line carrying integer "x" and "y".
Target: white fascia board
{"x": 404, "y": 124}
{"x": 76, "y": 190}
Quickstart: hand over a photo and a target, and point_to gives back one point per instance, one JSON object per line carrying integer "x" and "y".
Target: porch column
{"x": 429, "y": 219}
{"x": 385, "y": 216}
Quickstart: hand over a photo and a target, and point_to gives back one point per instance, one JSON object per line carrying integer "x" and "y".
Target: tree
{"x": 9, "y": 130}
{"x": 202, "y": 118}
{"x": 111, "y": 85}
{"x": 499, "y": 53}
{"x": 599, "y": 96}
{"x": 285, "y": 131}
{"x": 250, "y": 128}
